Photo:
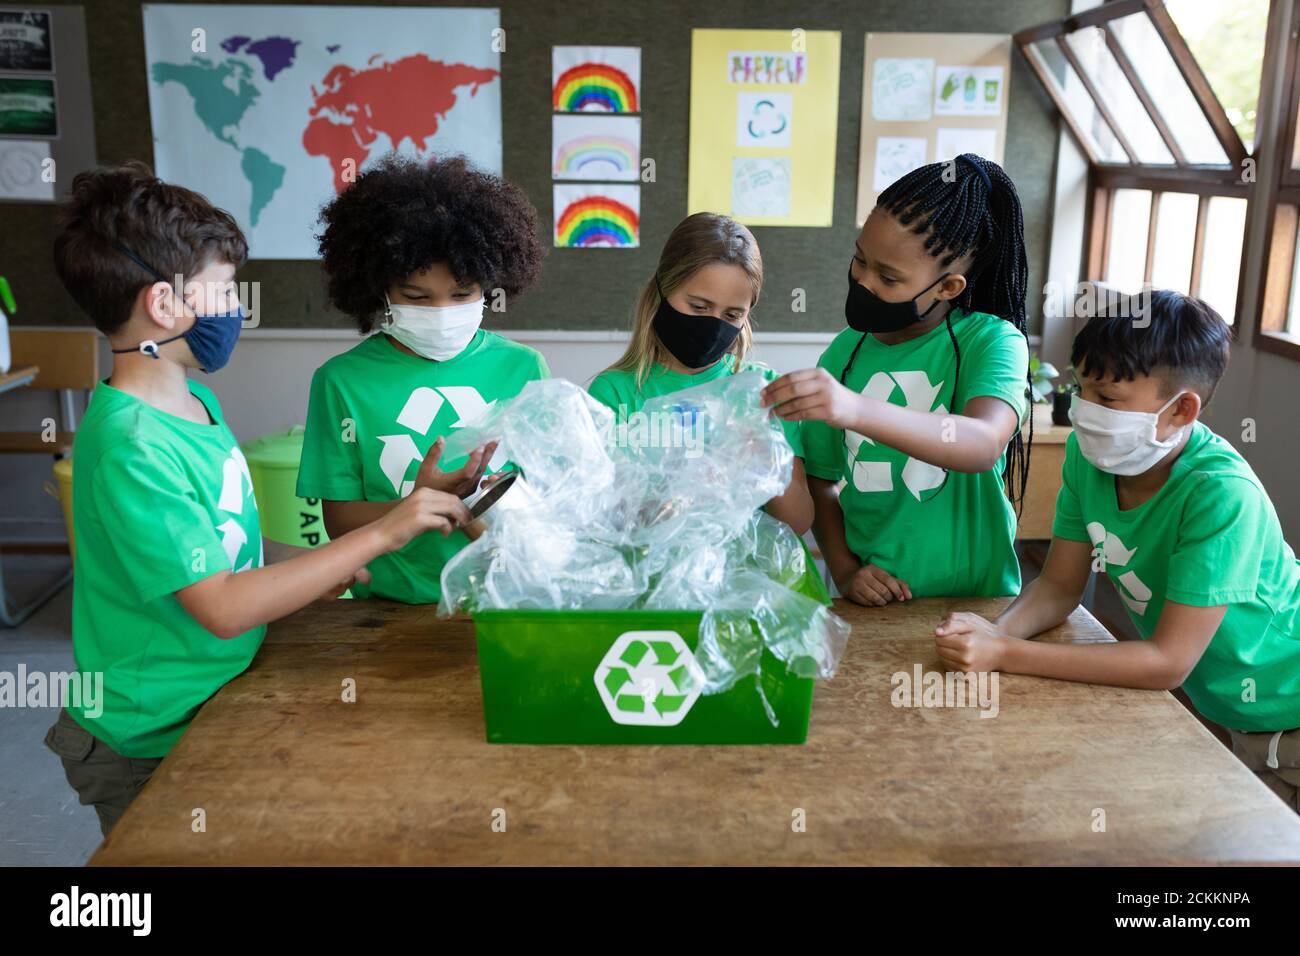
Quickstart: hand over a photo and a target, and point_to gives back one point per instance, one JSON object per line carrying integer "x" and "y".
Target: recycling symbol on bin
{"x": 649, "y": 678}
{"x": 878, "y": 465}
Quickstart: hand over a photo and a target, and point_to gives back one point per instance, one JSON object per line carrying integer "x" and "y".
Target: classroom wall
{"x": 592, "y": 289}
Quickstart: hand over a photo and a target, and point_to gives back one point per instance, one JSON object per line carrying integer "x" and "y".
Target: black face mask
{"x": 696, "y": 341}
{"x": 867, "y": 312}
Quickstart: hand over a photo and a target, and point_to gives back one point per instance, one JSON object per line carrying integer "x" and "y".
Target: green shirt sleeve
{"x": 162, "y": 533}
{"x": 543, "y": 370}
{"x": 1216, "y": 559}
{"x": 602, "y": 390}
{"x": 997, "y": 365}
{"x": 330, "y": 467}
{"x": 823, "y": 445}
{"x": 823, "y": 450}
{"x": 1068, "y": 521}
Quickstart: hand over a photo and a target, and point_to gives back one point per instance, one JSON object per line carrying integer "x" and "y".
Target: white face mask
{"x": 1120, "y": 442}
{"x": 437, "y": 333}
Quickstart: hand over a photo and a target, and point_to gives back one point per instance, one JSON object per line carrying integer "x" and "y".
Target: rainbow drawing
{"x": 585, "y": 218}
{"x": 594, "y": 87}
{"x": 596, "y": 157}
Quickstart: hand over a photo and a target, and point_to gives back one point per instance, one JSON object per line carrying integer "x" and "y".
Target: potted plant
{"x": 1061, "y": 404}
{"x": 1043, "y": 392}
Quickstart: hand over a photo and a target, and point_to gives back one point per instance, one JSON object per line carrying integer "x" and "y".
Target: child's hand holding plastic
{"x": 464, "y": 480}
{"x": 422, "y": 510}
{"x": 813, "y": 394}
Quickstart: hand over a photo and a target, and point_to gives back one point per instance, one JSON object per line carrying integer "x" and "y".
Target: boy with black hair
{"x": 170, "y": 597}
{"x": 1183, "y": 527}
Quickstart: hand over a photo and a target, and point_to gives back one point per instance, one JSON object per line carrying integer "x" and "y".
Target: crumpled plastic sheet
{"x": 660, "y": 511}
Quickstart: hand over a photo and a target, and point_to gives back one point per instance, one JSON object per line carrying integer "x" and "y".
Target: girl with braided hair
{"x": 917, "y": 406}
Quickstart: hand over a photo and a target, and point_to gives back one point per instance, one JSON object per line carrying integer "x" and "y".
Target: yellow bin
{"x": 63, "y": 475}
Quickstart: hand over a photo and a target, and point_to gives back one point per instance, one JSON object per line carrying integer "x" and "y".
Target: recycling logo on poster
{"x": 649, "y": 679}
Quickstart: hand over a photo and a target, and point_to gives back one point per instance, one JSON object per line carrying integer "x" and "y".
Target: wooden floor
{"x": 286, "y": 773}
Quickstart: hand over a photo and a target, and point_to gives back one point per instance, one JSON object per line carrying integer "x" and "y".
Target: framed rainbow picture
{"x": 596, "y": 79}
{"x": 595, "y": 147}
{"x": 597, "y": 217}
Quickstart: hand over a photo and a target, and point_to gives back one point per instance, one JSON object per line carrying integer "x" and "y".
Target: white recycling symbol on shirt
{"x": 236, "y": 489}
{"x": 1134, "y": 592}
{"x": 918, "y": 476}
{"x": 421, "y": 408}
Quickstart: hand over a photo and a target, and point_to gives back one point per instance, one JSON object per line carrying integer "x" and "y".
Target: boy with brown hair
{"x": 170, "y": 593}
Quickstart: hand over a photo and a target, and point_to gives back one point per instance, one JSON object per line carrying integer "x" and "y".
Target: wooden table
{"x": 289, "y": 774}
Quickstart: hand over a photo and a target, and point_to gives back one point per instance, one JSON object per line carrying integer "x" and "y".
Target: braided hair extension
{"x": 970, "y": 207}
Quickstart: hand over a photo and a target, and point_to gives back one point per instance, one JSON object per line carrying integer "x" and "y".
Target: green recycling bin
{"x": 273, "y": 465}
{"x": 622, "y": 677}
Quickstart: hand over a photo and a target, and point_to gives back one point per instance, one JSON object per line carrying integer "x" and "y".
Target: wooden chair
{"x": 64, "y": 361}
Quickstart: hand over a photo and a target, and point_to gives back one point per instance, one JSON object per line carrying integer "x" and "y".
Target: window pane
{"x": 1089, "y": 46}
{"x": 1159, "y": 74}
{"x": 1295, "y": 146}
{"x": 1225, "y": 225}
{"x": 1077, "y": 101}
{"x": 1227, "y": 40}
{"x": 1171, "y": 265}
{"x": 1130, "y": 218}
{"x": 1293, "y": 310}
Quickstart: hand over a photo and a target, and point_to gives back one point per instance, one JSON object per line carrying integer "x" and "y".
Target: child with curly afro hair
{"x": 416, "y": 250}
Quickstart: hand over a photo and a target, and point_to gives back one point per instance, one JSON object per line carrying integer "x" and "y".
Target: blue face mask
{"x": 211, "y": 338}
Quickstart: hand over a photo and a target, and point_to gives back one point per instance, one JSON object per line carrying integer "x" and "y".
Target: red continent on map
{"x": 405, "y": 99}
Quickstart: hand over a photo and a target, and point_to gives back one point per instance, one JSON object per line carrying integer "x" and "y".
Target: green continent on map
{"x": 216, "y": 105}
{"x": 264, "y": 176}
{"x": 221, "y": 109}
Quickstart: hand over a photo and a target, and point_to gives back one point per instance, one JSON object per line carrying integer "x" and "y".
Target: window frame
{"x": 1277, "y": 286}
{"x": 1105, "y": 177}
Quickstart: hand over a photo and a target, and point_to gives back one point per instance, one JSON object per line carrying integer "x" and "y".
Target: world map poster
{"x": 270, "y": 111}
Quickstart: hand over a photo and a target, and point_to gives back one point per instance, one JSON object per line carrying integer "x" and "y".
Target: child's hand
{"x": 968, "y": 642}
{"x": 461, "y": 482}
{"x": 875, "y": 587}
{"x": 422, "y": 510}
{"x": 813, "y": 393}
{"x": 362, "y": 575}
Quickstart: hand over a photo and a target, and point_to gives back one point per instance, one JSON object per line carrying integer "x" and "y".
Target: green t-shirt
{"x": 945, "y": 534}
{"x": 373, "y": 413}
{"x": 1208, "y": 537}
{"x": 158, "y": 504}
{"x": 619, "y": 391}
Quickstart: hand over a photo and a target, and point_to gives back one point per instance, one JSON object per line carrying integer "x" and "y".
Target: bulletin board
{"x": 926, "y": 98}
{"x": 581, "y": 290}
{"x": 764, "y": 108}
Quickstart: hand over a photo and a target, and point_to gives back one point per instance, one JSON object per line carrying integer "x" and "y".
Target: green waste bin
{"x": 620, "y": 677}
{"x": 273, "y": 465}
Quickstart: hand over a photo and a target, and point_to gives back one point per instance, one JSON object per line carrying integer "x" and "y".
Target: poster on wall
{"x": 597, "y": 216}
{"x": 928, "y": 98}
{"x": 25, "y": 170}
{"x": 596, "y": 79}
{"x": 28, "y": 107}
{"x": 280, "y": 107}
{"x": 26, "y": 43}
{"x": 763, "y": 125}
{"x": 595, "y": 147}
